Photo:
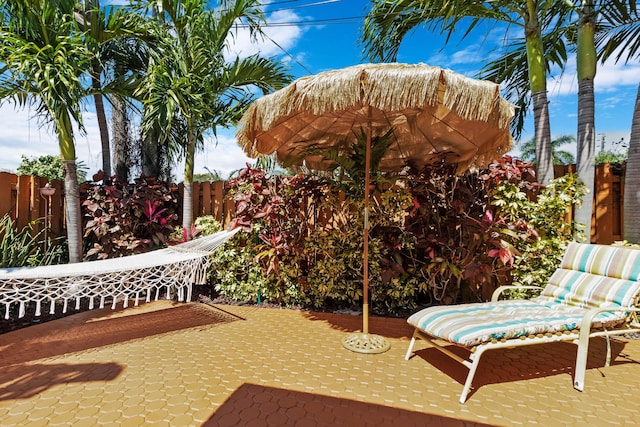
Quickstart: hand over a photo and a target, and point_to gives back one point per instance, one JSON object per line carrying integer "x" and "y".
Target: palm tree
{"x": 191, "y": 88}
{"x": 111, "y": 32}
{"x": 42, "y": 57}
{"x": 91, "y": 19}
{"x": 389, "y": 21}
{"x": 586, "y": 64}
{"x": 560, "y": 157}
{"x": 619, "y": 38}
{"x": 580, "y": 33}
{"x": 586, "y": 61}
{"x": 126, "y": 61}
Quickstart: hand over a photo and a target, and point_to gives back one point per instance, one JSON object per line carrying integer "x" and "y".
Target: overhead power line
{"x": 326, "y": 21}
{"x": 319, "y": 3}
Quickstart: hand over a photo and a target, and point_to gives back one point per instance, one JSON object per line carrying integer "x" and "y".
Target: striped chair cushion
{"x": 473, "y": 324}
{"x": 611, "y": 261}
{"x": 586, "y": 290}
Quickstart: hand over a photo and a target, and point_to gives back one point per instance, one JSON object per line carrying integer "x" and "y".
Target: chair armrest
{"x": 496, "y": 294}
{"x": 587, "y": 320}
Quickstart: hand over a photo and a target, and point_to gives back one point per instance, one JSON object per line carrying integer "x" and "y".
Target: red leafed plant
{"x": 122, "y": 219}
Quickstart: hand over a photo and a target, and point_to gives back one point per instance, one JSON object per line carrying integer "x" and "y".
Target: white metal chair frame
{"x": 579, "y": 337}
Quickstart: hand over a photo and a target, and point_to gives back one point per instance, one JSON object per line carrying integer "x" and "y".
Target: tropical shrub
{"x": 49, "y": 167}
{"x": 26, "y": 247}
{"x": 435, "y": 237}
{"x": 539, "y": 257}
{"x": 123, "y": 219}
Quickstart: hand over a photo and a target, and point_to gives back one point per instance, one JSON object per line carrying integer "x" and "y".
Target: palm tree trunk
{"x": 544, "y": 155}
{"x": 187, "y": 199}
{"x": 121, "y": 145}
{"x": 96, "y": 85}
{"x": 538, "y": 83}
{"x": 102, "y": 122}
{"x": 586, "y": 61}
{"x": 73, "y": 216}
{"x": 586, "y": 155}
{"x": 631, "y": 228}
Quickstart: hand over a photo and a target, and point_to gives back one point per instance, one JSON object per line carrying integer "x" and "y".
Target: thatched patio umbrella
{"x": 430, "y": 111}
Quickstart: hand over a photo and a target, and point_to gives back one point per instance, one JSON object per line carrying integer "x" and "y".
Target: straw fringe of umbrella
{"x": 386, "y": 87}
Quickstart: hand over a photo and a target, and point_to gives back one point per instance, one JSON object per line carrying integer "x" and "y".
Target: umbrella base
{"x": 365, "y": 343}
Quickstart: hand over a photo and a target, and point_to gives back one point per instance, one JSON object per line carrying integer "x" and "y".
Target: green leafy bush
{"x": 26, "y": 247}
{"x": 435, "y": 237}
{"x": 540, "y": 254}
{"x": 49, "y": 167}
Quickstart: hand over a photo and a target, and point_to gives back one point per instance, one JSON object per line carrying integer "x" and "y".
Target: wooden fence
{"x": 20, "y": 196}
{"x": 608, "y": 202}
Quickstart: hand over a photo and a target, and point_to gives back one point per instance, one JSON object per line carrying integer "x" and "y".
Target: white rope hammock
{"x": 174, "y": 268}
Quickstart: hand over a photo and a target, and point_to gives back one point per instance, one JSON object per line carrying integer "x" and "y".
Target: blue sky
{"x": 312, "y": 36}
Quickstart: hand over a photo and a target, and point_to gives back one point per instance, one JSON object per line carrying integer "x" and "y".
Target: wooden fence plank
{"x": 207, "y": 206}
{"x": 23, "y": 201}
{"x": 218, "y": 199}
{"x": 229, "y": 210}
{"x": 603, "y": 193}
{"x": 8, "y": 183}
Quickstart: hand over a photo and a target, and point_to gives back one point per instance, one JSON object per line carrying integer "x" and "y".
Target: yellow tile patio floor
{"x": 164, "y": 363}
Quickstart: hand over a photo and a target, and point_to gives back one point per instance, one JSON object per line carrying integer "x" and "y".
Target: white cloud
{"x": 609, "y": 77}
{"x": 21, "y": 134}
{"x": 285, "y": 36}
{"x": 470, "y": 55}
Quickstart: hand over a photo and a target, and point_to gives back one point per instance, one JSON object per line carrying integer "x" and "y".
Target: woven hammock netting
{"x": 170, "y": 271}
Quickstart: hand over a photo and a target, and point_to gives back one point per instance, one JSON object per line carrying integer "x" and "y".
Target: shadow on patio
{"x": 102, "y": 327}
{"x": 258, "y": 405}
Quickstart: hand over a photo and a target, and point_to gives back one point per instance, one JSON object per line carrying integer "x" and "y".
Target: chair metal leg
{"x": 472, "y": 372}
{"x": 410, "y": 349}
{"x": 581, "y": 359}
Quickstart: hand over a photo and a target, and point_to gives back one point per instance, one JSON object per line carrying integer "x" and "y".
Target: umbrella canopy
{"x": 430, "y": 112}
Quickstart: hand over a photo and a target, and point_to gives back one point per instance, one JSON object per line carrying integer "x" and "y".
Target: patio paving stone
{"x": 164, "y": 363}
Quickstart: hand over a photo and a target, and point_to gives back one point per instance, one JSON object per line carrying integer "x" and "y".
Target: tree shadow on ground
{"x": 25, "y": 381}
{"x": 259, "y": 405}
{"x": 103, "y": 327}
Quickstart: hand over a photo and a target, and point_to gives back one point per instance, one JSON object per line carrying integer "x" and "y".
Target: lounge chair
{"x": 594, "y": 293}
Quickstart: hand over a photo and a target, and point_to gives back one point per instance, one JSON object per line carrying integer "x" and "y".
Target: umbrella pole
{"x": 365, "y": 261}
{"x": 365, "y": 342}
